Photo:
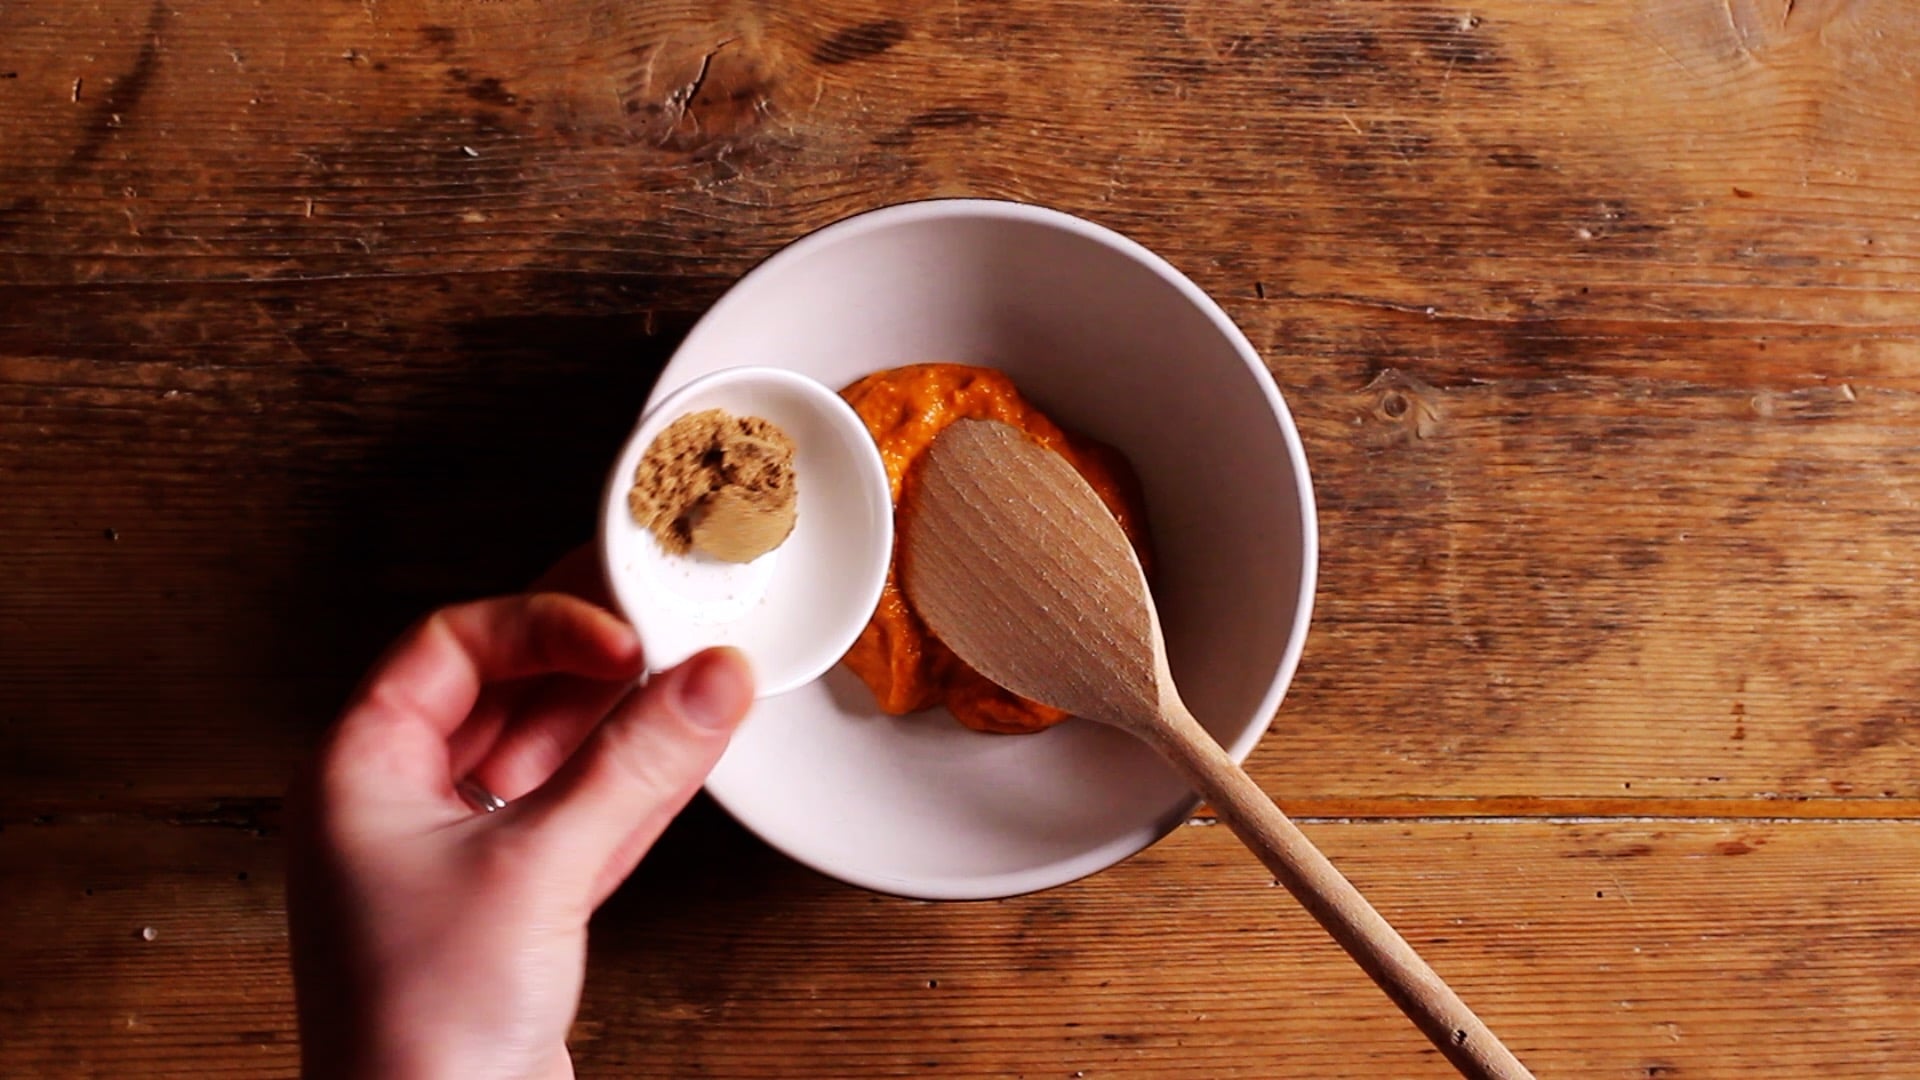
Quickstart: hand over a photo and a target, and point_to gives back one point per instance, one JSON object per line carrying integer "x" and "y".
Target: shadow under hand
{"x": 493, "y": 447}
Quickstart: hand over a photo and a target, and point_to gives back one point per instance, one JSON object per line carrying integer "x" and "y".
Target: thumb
{"x": 612, "y": 799}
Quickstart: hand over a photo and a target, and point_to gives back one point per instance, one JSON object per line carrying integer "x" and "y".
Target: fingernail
{"x": 716, "y": 689}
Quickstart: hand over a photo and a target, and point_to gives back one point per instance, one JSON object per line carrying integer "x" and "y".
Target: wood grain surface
{"x": 1615, "y": 949}
{"x": 1599, "y": 321}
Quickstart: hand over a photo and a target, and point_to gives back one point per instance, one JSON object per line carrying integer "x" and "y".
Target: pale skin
{"x": 432, "y": 939}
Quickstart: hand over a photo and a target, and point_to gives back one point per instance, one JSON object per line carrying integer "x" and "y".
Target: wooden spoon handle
{"x": 1324, "y": 891}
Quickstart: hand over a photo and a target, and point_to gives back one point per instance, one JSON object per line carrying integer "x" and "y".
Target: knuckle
{"x": 336, "y": 773}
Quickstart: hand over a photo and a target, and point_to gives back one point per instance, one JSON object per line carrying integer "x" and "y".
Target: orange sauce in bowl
{"x": 906, "y": 667}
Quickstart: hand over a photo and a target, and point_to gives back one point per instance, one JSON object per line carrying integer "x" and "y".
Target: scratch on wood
{"x": 646, "y": 70}
{"x": 680, "y": 100}
{"x": 706, "y": 65}
{"x": 1669, "y": 54}
{"x": 280, "y": 330}
{"x": 1620, "y": 889}
{"x": 1733, "y": 25}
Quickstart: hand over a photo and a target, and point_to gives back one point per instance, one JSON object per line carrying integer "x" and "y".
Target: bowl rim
{"x": 872, "y": 474}
{"x": 1064, "y": 871}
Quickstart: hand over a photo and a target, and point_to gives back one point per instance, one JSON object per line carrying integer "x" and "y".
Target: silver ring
{"x": 479, "y": 798}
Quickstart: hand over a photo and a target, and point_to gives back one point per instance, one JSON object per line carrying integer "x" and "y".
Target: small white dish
{"x": 795, "y": 610}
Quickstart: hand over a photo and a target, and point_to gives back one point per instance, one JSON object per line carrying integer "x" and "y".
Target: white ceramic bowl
{"x": 795, "y": 610}
{"x": 1112, "y": 341}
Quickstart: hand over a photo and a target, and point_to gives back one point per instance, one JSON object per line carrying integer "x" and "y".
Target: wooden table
{"x": 1599, "y": 321}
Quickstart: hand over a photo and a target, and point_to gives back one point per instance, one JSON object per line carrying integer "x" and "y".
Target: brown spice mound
{"x": 717, "y": 483}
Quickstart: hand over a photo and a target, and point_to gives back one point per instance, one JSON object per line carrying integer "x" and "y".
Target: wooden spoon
{"x": 1014, "y": 562}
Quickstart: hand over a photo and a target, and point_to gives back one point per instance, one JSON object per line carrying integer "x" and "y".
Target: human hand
{"x": 431, "y": 939}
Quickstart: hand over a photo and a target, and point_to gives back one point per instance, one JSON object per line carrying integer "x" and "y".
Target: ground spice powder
{"x": 718, "y": 484}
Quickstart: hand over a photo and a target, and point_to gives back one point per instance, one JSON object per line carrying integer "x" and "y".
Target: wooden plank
{"x": 1579, "y": 582}
{"x": 1681, "y": 160}
{"x": 1599, "y": 327}
{"x": 1569, "y": 587}
{"x": 85, "y": 994}
{"x": 208, "y": 541}
{"x": 1597, "y": 949}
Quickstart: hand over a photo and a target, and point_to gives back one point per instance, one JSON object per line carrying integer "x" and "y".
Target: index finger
{"x": 434, "y": 673}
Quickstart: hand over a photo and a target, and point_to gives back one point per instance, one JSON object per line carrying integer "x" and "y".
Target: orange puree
{"x": 905, "y": 666}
